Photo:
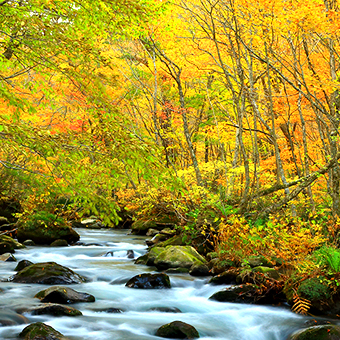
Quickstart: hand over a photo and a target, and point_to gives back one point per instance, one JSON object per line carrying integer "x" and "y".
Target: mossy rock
{"x": 8, "y": 244}
{"x": 269, "y": 272}
{"x": 177, "y": 330}
{"x": 178, "y": 256}
{"x": 323, "y": 332}
{"x": 227, "y": 277}
{"x": 176, "y": 240}
{"x": 65, "y": 295}
{"x": 22, "y": 264}
{"x": 314, "y": 289}
{"x": 257, "y": 261}
{"x": 55, "y": 310}
{"x": 40, "y": 331}
{"x": 47, "y": 273}
{"x": 45, "y": 228}
{"x": 149, "y": 257}
{"x": 59, "y": 243}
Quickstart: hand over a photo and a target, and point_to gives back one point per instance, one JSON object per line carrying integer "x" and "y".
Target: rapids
{"x": 108, "y": 274}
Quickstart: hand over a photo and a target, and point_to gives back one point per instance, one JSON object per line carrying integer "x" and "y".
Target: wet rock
{"x": 149, "y": 281}
{"x": 47, "y": 273}
{"x": 166, "y": 309}
{"x": 37, "y": 231}
{"x": 55, "y": 310}
{"x": 63, "y": 295}
{"x": 109, "y": 253}
{"x": 130, "y": 254}
{"x": 156, "y": 239}
{"x": 149, "y": 258}
{"x": 199, "y": 270}
{"x": 227, "y": 277}
{"x": 8, "y": 244}
{"x": 11, "y": 318}
{"x": 177, "y": 330}
{"x": 28, "y": 243}
{"x": 176, "y": 240}
{"x": 40, "y": 331}
{"x": 324, "y": 332}
{"x": 218, "y": 267}
{"x": 92, "y": 223}
{"x": 178, "y": 256}
{"x": 238, "y": 294}
{"x": 7, "y": 257}
{"x": 59, "y": 243}
{"x": 110, "y": 310}
{"x": 22, "y": 264}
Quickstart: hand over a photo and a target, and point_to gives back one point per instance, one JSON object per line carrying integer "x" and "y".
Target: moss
{"x": 313, "y": 289}
{"x": 324, "y": 332}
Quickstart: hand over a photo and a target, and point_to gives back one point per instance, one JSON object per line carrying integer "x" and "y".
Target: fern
{"x": 301, "y": 305}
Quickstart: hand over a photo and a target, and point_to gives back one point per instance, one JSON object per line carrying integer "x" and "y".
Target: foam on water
{"x": 108, "y": 275}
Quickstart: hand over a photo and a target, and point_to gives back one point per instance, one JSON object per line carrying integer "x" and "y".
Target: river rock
{"x": 55, "y": 310}
{"x": 178, "y": 256}
{"x": 150, "y": 257}
{"x": 47, "y": 273}
{"x": 42, "y": 235}
{"x": 130, "y": 254}
{"x": 40, "y": 331}
{"x": 177, "y": 330}
{"x": 239, "y": 294}
{"x": 199, "y": 270}
{"x": 227, "y": 277}
{"x": 59, "y": 243}
{"x": 7, "y": 257}
{"x": 324, "y": 332}
{"x": 152, "y": 232}
{"x": 149, "y": 281}
{"x": 8, "y": 244}
{"x": 28, "y": 243}
{"x": 22, "y": 264}
{"x": 11, "y": 318}
{"x": 268, "y": 272}
{"x": 140, "y": 227}
{"x": 65, "y": 295}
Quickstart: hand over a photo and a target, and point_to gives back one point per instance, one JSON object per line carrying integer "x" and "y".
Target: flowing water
{"x": 108, "y": 275}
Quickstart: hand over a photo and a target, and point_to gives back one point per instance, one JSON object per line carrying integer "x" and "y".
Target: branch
{"x": 303, "y": 183}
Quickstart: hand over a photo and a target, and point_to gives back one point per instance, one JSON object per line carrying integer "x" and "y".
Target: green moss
{"x": 313, "y": 289}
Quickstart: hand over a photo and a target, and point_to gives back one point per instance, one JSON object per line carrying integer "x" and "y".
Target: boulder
{"x": 149, "y": 258}
{"x": 199, "y": 270}
{"x": 130, "y": 254}
{"x": 178, "y": 256}
{"x": 65, "y": 295}
{"x": 42, "y": 235}
{"x": 176, "y": 240}
{"x": 7, "y": 257}
{"x": 28, "y": 243}
{"x": 323, "y": 332}
{"x": 268, "y": 272}
{"x": 177, "y": 330}
{"x": 55, "y": 310}
{"x": 238, "y": 294}
{"x": 8, "y": 244}
{"x": 149, "y": 281}
{"x": 11, "y": 318}
{"x": 257, "y": 261}
{"x": 227, "y": 277}
{"x": 47, "y": 273}
{"x": 40, "y": 331}
{"x": 59, "y": 243}
{"x": 22, "y": 264}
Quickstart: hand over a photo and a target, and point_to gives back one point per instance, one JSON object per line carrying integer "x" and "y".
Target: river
{"x": 108, "y": 275}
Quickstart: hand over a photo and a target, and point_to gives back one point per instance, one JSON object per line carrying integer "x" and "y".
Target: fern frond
{"x": 301, "y": 305}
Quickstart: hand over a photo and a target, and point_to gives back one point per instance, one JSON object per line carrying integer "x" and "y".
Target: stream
{"x": 108, "y": 275}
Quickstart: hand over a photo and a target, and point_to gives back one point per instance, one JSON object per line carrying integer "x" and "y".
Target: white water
{"x": 108, "y": 275}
